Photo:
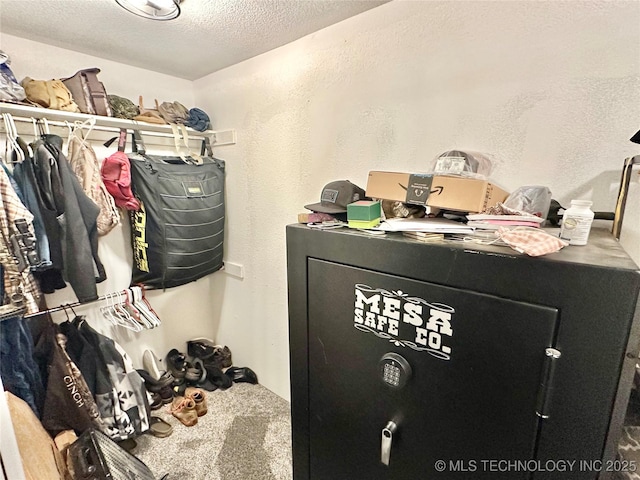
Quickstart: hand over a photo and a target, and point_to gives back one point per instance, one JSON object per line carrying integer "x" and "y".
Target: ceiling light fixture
{"x": 153, "y": 9}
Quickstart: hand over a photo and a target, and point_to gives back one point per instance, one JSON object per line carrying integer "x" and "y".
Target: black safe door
{"x": 475, "y": 366}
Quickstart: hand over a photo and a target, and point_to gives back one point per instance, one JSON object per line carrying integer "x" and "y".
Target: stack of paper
{"x": 431, "y": 225}
{"x": 424, "y": 236}
{"x": 494, "y": 222}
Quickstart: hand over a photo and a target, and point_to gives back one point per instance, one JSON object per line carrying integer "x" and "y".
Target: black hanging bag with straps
{"x": 178, "y": 232}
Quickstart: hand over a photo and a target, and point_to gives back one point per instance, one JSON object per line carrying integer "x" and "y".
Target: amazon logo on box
{"x": 442, "y": 191}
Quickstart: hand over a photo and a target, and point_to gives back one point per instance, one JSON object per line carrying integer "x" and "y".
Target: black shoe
{"x": 156, "y": 402}
{"x": 155, "y": 385}
{"x": 218, "y": 378}
{"x": 166, "y": 394}
{"x": 200, "y": 348}
{"x": 242, "y": 374}
{"x": 196, "y": 376}
{"x": 179, "y": 387}
{"x": 176, "y": 363}
{"x": 221, "y": 357}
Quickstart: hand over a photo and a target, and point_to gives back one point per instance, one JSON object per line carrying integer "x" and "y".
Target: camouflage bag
{"x": 123, "y": 107}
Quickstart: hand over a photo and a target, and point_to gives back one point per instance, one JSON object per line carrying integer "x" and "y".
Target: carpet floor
{"x": 245, "y": 435}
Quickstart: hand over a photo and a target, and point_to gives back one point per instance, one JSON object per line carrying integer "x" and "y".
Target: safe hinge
{"x": 546, "y": 383}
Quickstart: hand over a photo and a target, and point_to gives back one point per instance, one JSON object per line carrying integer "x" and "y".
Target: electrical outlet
{"x": 224, "y": 137}
{"x": 234, "y": 269}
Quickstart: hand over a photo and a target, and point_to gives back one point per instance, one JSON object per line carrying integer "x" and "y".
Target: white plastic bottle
{"x": 576, "y": 222}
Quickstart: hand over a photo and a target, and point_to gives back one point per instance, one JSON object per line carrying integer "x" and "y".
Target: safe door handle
{"x": 387, "y": 441}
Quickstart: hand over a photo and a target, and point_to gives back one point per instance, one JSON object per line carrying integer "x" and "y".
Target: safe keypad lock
{"x": 395, "y": 371}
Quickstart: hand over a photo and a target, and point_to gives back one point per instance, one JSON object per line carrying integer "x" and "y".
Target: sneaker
{"x": 151, "y": 364}
{"x": 184, "y": 409}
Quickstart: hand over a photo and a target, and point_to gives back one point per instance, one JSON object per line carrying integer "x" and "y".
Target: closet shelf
{"x": 58, "y": 118}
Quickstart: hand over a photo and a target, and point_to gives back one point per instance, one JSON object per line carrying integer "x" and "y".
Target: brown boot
{"x": 198, "y": 397}
{"x": 184, "y": 409}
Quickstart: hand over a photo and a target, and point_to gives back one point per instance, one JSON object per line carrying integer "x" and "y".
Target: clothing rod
{"x": 64, "y": 306}
{"x": 57, "y": 118}
{"x": 115, "y": 130}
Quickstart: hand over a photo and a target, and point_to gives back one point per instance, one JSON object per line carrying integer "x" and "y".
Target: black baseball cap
{"x": 336, "y": 196}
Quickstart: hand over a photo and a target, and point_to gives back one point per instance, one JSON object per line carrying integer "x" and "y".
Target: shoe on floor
{"x": 198, "y": 396}
{"x": 151, "y": 364}
{"x": 179, "y": 386}
{"x": 216, "y": 355}
{"x": 176, "y": 363}
{"x": 200, "y": 348}
{"x": 156, "y": 401}
{"x": 242, "y": 374}
{"x": 218, "y": 378}
{"x": 159, "y": 428}
{"x": 155, "y": 385}
{"x": 166, "y": 394}
{"x": 197, "y": 377}
{"x": 184, "y": 409}
{"x": 128, "y": 444}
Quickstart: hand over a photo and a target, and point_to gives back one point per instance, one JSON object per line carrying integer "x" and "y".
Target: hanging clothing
{"x": 25, "y": 179}
{"x": 84, "y": 163}
{"x": 76, "y": 214}
{"x": 19, "y": 371}
{"x": 12, "y": 209}
{"x": 42, "y": 172}
{"x": 68, "y": 403}
{"x": 83, "y": 354}
{"x": 120, "y": 392}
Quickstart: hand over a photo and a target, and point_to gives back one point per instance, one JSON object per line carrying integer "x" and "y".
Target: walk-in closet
{"x": 274, "y": 100}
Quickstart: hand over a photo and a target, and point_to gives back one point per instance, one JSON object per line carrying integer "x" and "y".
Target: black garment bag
{"x": 177, "y": 234}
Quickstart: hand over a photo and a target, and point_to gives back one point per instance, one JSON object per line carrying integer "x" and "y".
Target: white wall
{"x": 185, "y": 311}
{"x": 551, "y": 89}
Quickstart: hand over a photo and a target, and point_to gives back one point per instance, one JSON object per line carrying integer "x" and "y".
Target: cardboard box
{"x": 451, "y": 193}
{"x": 363, "y": 210}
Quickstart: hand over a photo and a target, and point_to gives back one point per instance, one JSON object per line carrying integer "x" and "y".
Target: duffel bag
{"x": 177, "y": 233}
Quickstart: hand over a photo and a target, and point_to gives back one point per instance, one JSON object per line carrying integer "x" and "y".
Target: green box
{"x": 363, "y": 210}
{"x": 364, "y": 224}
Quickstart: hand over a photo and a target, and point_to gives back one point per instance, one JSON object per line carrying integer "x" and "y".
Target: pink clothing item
{"x": 532, "y": 241}
{"x": 116, "y": 175}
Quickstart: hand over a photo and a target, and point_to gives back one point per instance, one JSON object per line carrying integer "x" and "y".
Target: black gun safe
{"x": 405, "y": 353}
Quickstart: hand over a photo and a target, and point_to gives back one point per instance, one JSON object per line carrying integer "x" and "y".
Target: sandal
{"x": 184, "y": 409}
{"x": 159, "y": 428}
{"x": 176, "y": 363}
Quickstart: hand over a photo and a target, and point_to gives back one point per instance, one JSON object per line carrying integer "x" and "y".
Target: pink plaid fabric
{"x": 532, "y": 241}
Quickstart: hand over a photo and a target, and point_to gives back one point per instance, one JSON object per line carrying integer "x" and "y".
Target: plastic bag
{"x": 535, "y": 199}
{"x": 10, "y": 89}
{"x": 462, "y": 163}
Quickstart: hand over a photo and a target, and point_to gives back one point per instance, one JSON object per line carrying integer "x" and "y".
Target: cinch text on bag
{"x": 70, "y": 383}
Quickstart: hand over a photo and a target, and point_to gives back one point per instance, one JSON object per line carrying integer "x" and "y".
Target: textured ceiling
{"x": 208, "y": 36}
